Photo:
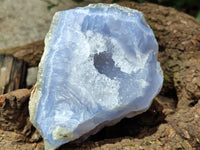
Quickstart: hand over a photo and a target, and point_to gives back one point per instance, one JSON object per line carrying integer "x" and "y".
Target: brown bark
{"x": 30, "y": 53}
{"x": 12, "y": 73}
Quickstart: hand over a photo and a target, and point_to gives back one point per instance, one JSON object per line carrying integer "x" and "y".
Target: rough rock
{"x": 85, "y": 86}
{"x": 14, "y": 115}
{"x": 31, "y": 76}
{"x": 186, "y": 123}
{"x": 14, "y": 109}
{"x": 150, "y": 130}
{"x": 15, "y": 141}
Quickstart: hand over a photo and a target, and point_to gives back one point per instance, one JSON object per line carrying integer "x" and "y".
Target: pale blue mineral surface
{"x": 99, "y": 66}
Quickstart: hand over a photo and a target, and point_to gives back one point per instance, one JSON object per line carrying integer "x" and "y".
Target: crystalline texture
{"x": 99, "y": 66}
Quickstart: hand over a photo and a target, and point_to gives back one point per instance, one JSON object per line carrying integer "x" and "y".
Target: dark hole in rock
{"x": 140, "y": 126}
{"x": 194, "y": 102}
{"x": 187, "y": 67}
{"x": 168, "y": 89}
{"x": 104, "y": 63}
{"x": 161, "y": 48}
{"x": 172, "y": 94}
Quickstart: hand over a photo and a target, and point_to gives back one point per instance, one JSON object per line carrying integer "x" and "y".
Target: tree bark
{"x": 30, "y": 53}
{"x": 12, "y": 73}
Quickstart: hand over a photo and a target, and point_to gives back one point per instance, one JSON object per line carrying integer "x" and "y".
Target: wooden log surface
{"x": 30, "y": 53}
{"x": 12, "y": 73}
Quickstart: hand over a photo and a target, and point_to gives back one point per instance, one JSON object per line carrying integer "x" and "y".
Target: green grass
{"x": 132, "y": 144}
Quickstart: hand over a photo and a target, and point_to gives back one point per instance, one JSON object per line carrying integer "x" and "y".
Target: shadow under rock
{"x": 139, "y": 126}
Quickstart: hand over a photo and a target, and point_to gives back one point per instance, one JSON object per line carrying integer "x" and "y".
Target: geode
{"x": 99, "y": 66}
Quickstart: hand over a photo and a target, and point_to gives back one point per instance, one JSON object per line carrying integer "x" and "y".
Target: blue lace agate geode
{"x": 99, "y": 66}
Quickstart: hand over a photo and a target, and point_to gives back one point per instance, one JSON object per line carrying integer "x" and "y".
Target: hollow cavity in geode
{"x": 99, "y": 66}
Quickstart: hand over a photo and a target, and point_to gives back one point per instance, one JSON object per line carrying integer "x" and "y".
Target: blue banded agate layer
{"x": 99, "y": 66}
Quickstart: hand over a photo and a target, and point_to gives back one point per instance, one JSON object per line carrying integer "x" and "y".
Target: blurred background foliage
{"x": 191, "y": 7}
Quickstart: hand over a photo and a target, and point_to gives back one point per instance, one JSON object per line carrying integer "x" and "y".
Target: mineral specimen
{"x": 99, "y": 66}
